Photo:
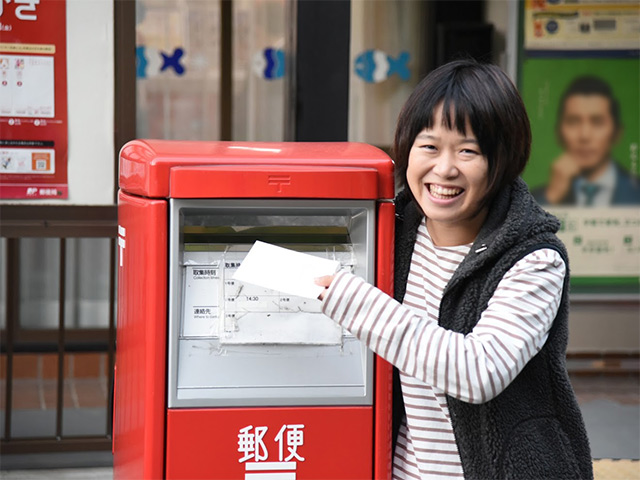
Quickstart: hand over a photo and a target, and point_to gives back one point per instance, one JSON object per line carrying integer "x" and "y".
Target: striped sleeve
{"x": 473, "y": 368}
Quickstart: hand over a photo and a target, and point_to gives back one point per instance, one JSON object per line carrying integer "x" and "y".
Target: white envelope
{"x": 284, "y": 270}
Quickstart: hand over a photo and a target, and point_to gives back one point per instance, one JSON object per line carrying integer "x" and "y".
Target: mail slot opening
{"x": 232, "y": 342}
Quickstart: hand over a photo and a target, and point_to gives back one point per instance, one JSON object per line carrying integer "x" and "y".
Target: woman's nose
{"x": 445, "y": 166}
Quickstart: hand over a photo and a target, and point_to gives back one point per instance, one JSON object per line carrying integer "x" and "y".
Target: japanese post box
{"x": 217, "y": 379}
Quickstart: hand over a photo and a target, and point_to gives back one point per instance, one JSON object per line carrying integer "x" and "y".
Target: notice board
{"x": 33, "y": 99}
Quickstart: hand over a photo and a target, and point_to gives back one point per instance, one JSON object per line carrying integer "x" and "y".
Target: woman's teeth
{"x": 443, "y": 192}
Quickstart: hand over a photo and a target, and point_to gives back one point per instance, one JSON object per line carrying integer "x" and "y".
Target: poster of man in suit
{"x": 579, "y": 76}
{"x": 588, "y": 126}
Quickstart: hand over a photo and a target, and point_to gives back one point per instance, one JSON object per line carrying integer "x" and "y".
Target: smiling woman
{"x": 478, "y": 327}
{"x": 447, "y": 174}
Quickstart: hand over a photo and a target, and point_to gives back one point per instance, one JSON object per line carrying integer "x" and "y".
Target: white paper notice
{"x": 284, "y": 270}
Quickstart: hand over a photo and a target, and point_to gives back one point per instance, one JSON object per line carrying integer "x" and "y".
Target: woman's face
{"x": 448, "y": 176}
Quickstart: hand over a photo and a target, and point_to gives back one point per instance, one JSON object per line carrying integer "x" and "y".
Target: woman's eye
{"x": 468, "y": 151}
{"x": 429, "y": 147}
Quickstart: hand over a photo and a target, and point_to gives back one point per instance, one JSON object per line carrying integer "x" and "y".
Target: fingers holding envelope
{"x": 324, "y": 281}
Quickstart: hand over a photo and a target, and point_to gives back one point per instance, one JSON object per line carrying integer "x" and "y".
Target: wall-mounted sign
{"x": 580, "y": 72}
{"x": 33, "y": 99}
{"x": 581, "y": 25}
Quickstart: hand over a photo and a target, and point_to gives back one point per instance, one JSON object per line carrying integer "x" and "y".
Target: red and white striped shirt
{"x": 434, "y": 361}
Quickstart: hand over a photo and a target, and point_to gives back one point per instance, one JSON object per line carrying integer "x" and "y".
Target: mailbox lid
{"x": 170, "y": 169}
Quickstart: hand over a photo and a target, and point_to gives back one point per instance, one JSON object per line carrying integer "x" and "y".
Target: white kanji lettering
{"x": 246, "y": 443}
{"x": 26, "y": 6}
{"x": 294, "y": 439}
{"x": 122, "y": 243}
{"x": 252, "y": 444}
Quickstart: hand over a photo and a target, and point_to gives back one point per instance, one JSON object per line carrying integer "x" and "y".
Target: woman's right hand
{"x": 324, "y": 282}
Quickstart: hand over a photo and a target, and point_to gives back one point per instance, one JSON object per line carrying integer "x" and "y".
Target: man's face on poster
{"x": 587, "y": 130}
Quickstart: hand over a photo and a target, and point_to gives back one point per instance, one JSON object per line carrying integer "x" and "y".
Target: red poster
{"x": 33, "y": 99}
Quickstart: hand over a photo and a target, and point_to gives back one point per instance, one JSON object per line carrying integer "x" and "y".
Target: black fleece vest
{"x": 534, "y": 428}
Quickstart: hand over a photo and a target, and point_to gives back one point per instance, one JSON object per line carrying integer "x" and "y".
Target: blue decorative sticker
{"x": 375, "y": 66}
{"x": 151, "y": 61}
{"x": 269, "y": 63}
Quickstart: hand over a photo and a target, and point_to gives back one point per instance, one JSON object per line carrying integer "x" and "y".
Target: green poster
{"x": 544, "y": 80}
{"x": 585, "y": 122}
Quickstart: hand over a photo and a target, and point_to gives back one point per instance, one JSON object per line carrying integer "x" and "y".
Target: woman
{"x": 479, "y": 337}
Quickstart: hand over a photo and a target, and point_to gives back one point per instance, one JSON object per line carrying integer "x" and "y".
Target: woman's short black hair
{"x": 482, "y": 94}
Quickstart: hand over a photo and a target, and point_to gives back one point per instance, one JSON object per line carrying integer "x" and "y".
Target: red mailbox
{"x": 219, "y": 380}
